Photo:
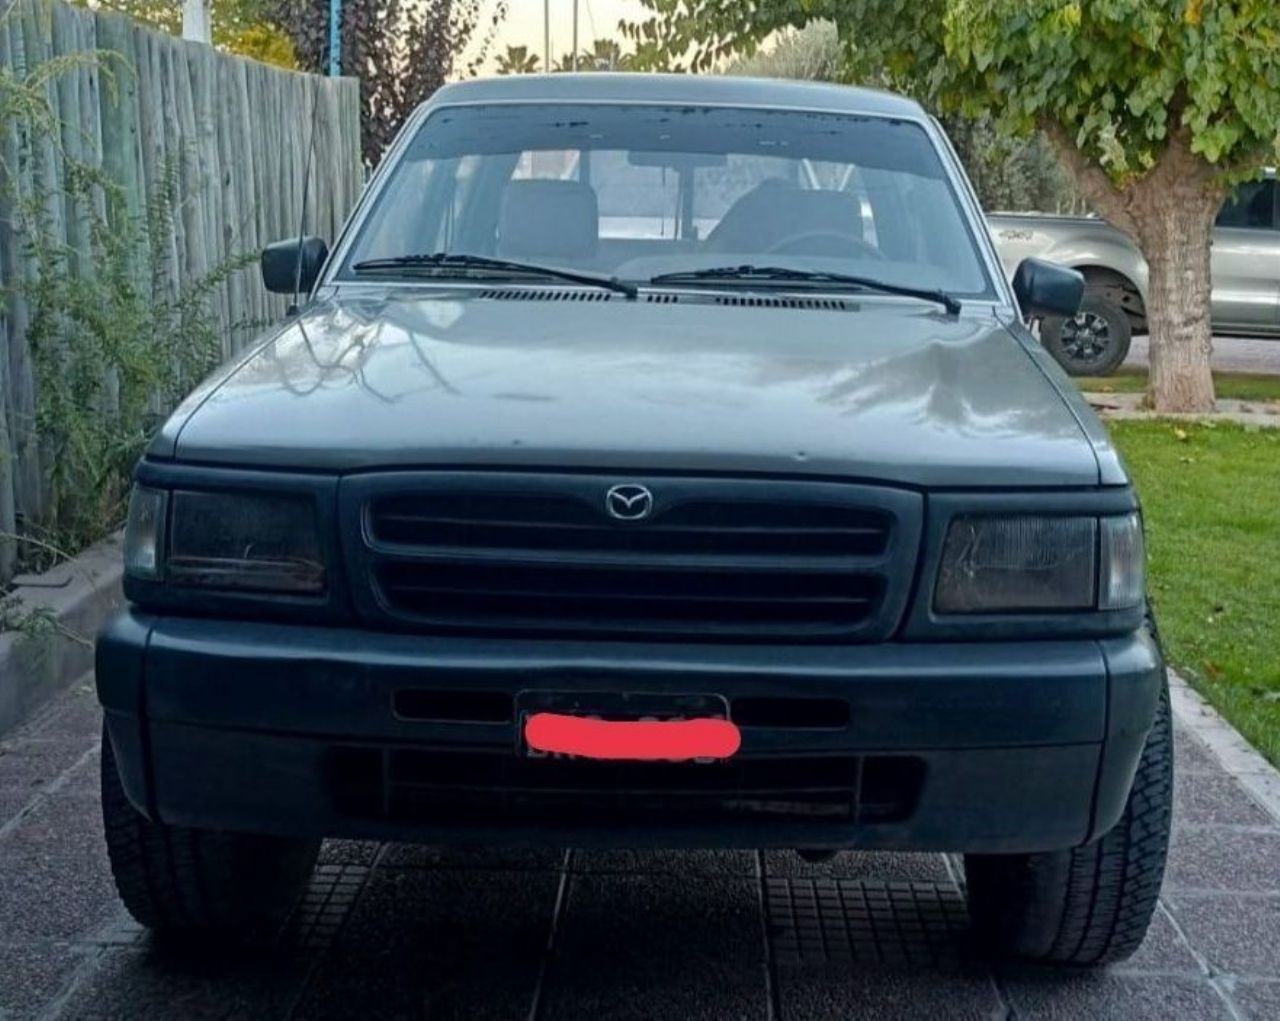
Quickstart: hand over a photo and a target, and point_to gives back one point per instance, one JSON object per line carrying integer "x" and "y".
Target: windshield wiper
{"x": 784, "y": 273}
{"x": 458, "y": 260}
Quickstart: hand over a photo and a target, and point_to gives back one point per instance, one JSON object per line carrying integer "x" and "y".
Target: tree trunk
{"x": 1177, "y": 231}
{"x": 1169, "y": 212}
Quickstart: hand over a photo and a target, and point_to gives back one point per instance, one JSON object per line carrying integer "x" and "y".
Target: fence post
{"x": 196, "y": 21}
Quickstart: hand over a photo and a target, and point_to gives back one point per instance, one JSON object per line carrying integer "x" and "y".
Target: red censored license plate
{"x": 627, "y": 727}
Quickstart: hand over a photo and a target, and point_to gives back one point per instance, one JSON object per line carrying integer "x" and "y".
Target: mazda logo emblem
{"x": 629, "y": 502}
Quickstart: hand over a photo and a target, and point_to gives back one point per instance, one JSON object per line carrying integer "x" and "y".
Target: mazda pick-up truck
{"x": 651, "y": 462}
{"x": 1245, "y": 265}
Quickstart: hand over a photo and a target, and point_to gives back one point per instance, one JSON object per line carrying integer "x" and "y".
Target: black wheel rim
{"x": 1086, "y": 339}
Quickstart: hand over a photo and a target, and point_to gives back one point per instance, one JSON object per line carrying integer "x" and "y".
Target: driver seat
{"x": 776, "y": 209}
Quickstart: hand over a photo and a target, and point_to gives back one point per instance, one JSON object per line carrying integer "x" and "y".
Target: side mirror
{"x": 293, "y": 263}
{"x": 1047, "y": 289}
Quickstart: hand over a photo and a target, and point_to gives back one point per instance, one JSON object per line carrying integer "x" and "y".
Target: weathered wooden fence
{"x": 235, "y": 133}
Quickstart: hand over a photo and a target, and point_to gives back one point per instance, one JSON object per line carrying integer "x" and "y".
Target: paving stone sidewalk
{"x": 1260, "y": 414}
{"x": 390, "y": 931}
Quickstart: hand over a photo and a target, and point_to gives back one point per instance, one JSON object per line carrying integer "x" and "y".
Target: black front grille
{"x": 564, "y": 524}
{"x": 718, "y": 559}
{"x": 640, "y": 598}
{"x": 410, "y": 785}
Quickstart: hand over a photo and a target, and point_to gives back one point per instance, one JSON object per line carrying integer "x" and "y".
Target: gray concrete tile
{"x": 439, "y": 945}
{"x": 887, "y": 994}
{"x": 35, "y": 973}
{"x": 1190, "y": 755}
{"x": 1209, "y": 858}
{"x": 1068, "y": 996}
{"x": 688, "y": 863}
{"x": 349, "y": 852}
{"x": 657, "y": 946}
{"x": 1216, "y": 798}
{"x": 1257, "y": 1000}
{"x": 1164, "y": 950}
{"x": 65, "y": 826}
{"x": 64, "y": 889}
{"x": 1237, "y": 934}
{"x": 53, "y": 899}
{"x": 85, "y": 777}
{"x": 503, "y": 859}
{"x": 186, "y": 984}
{"x": 882, "y": 866}
{"x": 842, "y": 921}
{"x": 28, "y": 765}
{"x": 73, "y": 715}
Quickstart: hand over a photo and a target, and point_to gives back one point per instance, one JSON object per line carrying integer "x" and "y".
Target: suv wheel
{"x": 1093, "y": 342}
{"x": 190, "y": 882}
{"x": 1089, "y": 905}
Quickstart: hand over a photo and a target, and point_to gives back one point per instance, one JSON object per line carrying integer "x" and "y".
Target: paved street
{"x": 1230, "y": 354}
{"x": 403, "y": 932}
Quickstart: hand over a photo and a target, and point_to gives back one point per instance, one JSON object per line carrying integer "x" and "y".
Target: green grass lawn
{"x": 1242, "y": 386}
{"x": 1211, "y": 499}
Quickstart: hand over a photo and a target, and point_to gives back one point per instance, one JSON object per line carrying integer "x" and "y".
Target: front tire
{"x": 1093, "y": 342}
{"x": 193, "y": 883}
{"x": 1089, "y": 905}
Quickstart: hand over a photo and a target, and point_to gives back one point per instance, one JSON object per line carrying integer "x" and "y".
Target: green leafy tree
{"x": 1008, "y": 171}
{"x": 239, "y": 26}
{"x": 518, "y": 60}
{"x": 1155, "y": 109}
{"x": 401, "y": 50}
{"x": 604, "y": 55}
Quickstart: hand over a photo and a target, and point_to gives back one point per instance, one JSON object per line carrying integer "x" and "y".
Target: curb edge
{"x": 1239, "y": 758}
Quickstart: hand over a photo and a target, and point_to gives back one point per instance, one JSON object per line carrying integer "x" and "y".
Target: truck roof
{"x": 712, "y": 90}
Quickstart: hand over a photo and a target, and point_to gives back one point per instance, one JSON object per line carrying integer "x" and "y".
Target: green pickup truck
{"x": 651, "y": 462}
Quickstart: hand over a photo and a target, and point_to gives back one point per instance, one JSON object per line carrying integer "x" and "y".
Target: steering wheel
{"x": 828, "y": 242}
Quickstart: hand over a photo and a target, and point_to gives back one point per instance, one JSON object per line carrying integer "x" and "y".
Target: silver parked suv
{"x": 1245, "y": 266}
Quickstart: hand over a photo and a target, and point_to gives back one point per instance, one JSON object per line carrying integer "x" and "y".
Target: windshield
{"x": 639, "y": 191}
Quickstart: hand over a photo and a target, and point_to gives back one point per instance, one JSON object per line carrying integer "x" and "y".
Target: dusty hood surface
{"x": 895, "y": 392}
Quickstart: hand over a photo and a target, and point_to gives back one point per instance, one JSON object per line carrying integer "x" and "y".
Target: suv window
{"x": 1253, "y": 205}
{"x": 636, "y": 191}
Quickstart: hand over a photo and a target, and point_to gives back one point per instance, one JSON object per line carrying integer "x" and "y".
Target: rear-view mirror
{"x": 294, "y": 264}
{"x": 1047, "y": 289}
{"x": 677, "y": 160}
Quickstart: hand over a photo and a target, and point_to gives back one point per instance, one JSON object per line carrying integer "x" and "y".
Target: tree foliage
{"x": 1119, "y": 76}
{"x": 1008, "y": 171}
{"x": 1155, "y": 109}
{"x": 401, "y": 50}
{"x": 518, "y": 60}
{"x": 239, "y": 26}
{"x": 604, "y": 55}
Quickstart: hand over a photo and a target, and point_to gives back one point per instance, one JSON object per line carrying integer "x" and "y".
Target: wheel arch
{"x": 1117, "y": 288}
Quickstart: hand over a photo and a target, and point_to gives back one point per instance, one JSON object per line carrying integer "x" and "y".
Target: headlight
{"x": 144, "y": 533}
{"x": 1029, "y": 564}
{"x": 254, "y": 543}
{"x": 1123, "y": 583}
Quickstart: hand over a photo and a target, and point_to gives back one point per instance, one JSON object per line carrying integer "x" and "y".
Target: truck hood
{"x": 882, "y": 390}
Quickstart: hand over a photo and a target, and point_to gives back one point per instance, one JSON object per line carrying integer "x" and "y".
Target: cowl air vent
{"x": 544, "y": 294}
{"x": 754, "y": 301}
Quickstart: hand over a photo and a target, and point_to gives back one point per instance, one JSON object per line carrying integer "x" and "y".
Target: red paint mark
{"x": 632, "y": 739}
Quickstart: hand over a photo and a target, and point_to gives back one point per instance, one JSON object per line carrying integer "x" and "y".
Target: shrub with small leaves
{"x": 114, "y": 346}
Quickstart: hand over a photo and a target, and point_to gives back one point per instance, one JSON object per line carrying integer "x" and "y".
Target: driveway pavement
{"x": 391, "y": 931}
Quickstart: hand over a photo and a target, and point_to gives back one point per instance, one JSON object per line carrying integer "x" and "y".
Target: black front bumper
{"x": 274, "y": 728}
